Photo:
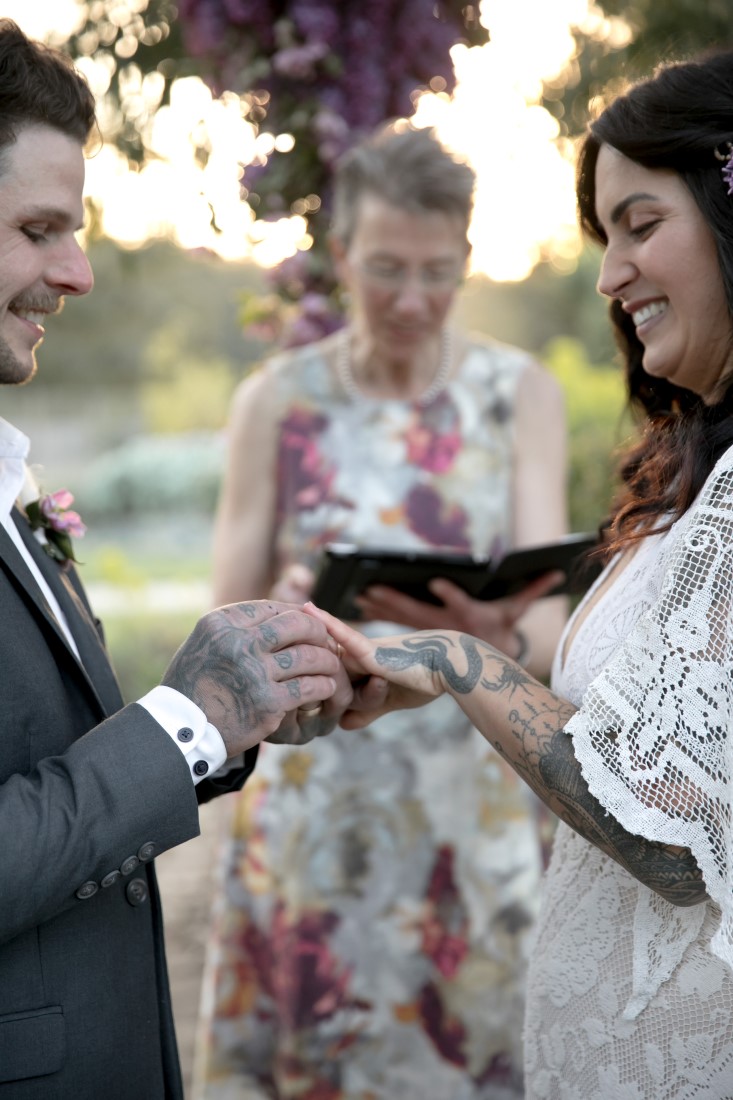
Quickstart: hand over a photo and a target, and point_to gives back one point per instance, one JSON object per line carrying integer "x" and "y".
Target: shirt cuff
{"x": 186, "y": 724}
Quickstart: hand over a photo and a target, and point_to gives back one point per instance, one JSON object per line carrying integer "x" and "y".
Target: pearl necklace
{"x": 343, "y": 367}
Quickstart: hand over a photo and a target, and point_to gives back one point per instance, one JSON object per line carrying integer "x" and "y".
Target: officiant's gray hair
{"x": 407, "y": 167}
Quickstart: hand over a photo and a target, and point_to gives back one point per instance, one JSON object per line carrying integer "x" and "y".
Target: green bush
{"x": 155, "y": 473}
{"x": 182, "y": 391}
{"x": 598, "y": 426}
{"x": 141, "y": 646}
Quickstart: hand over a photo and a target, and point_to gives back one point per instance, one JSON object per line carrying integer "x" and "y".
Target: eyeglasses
{"x": 389, "y": 276}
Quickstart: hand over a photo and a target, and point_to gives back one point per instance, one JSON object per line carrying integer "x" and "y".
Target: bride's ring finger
{"x": 312, "y": 711}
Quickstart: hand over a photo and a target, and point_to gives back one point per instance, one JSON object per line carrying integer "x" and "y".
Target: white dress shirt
{"x": 199, "y": 741}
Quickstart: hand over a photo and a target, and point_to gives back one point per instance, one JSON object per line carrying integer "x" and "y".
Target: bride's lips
{"x": 646, "y": 314}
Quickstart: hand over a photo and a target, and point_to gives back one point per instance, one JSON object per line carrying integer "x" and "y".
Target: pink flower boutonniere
{"x": 55, "y": 525}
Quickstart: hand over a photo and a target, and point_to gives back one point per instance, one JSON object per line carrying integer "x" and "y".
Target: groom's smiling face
{"x": 41, "y": 209}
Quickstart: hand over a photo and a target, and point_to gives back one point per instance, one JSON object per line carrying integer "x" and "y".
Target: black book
{"x": 346, "y": 570}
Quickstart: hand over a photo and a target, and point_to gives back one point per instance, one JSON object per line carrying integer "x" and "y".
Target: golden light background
{"x": 525, "y": 208}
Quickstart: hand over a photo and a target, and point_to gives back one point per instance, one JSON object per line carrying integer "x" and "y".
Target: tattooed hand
{"x": 414, "y": 666}
{"x": 250, "y": 666}
{"x": 352, "y": 705}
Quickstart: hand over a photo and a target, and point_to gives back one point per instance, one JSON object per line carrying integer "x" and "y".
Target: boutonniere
{"x": 55, "y": 525}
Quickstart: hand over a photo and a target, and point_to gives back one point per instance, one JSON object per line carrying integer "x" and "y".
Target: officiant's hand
{"x": 252, "y": 667}
{"x": 494, "y": 621}
{"x": 294, "y": 585}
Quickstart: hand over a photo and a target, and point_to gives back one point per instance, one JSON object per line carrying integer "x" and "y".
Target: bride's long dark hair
{"x": 676, "y": 120}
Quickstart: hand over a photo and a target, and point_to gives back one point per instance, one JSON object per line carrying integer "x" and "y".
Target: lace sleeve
{"x": 652, "y": 735}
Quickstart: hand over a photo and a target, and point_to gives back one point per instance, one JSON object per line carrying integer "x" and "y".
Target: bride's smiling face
{"x": 661, "y": 263}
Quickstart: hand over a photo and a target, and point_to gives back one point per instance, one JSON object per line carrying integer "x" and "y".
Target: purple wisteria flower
{"x": 727, "y": 172}
{"x": 325, "y": 72}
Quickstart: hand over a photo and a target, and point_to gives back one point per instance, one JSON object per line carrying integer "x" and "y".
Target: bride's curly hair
{"x": 676, "y": 120}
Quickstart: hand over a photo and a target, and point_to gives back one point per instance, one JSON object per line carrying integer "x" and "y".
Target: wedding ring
{"x": 339, "y": 651}
{"x": 311, "y": 712}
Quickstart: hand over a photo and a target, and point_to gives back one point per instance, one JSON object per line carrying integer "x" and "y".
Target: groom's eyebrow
{"x": 55, "y": 215}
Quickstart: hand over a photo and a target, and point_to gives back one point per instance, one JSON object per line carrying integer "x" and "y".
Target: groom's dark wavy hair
{"x": 676, "y": 120}
{"x": 39, "y": 86}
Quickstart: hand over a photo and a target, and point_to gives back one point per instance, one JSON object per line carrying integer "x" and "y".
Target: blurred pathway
{"x": 187, "y": 876}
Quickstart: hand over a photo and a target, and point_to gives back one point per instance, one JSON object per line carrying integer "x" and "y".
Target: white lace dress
{"x": 630, "y": 997}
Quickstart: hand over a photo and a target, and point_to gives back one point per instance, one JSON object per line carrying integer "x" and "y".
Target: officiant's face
{"x": 41, "y": 209}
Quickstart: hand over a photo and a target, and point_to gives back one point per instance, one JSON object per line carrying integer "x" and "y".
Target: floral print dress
{"x": 380, "y": 886}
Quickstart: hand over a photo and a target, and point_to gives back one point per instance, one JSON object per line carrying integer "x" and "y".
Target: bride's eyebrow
{"x": 621, "y": 207}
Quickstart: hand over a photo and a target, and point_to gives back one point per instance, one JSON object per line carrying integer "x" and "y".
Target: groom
{"x": 91, "y": 790}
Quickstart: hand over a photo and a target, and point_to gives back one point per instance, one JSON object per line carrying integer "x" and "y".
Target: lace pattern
{"x": 652, "y": 735}
{"x": 630, "y": 997}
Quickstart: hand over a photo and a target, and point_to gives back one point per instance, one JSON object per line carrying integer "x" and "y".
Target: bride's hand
{"x": 409, "y": 662}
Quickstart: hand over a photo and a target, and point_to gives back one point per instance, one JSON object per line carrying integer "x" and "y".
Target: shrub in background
{"x": 153, "y": 474}
{"x": 142, "y": 645}
{"x": 598, "y": 425}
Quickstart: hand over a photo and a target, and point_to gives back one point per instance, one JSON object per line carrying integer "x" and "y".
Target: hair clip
{"x": 724, "y": 152}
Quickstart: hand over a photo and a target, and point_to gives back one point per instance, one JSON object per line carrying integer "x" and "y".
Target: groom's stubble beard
{"x": 13, "y": 370}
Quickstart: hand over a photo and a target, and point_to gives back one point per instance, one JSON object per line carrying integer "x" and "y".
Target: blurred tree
{"x": 139, "y": 294}
{"x": 183, "y": 390}
{"x": 126, "y": 42}
{"x": 546, "y": 303}
{"x": 621, "y": 40}
{"x": 312, "y": 75}
{"x": 599, "y": 427}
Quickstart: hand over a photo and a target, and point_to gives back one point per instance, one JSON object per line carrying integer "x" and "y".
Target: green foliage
{"x": 129, "y": 40}
{"x": 598, "y": 425}
{"x": 548, "y": 303}
{"x": 152, "y": 474}
{"x": 141, "y": 646}
{"x": 111, "y": 565}
{"x": 628, "y": 42}
{"x": 111, "y": 335}
{"x": 182, "y": 392}
{"x": 135, "y": 551}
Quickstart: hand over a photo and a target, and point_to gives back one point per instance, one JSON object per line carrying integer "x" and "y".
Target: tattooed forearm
{"x": 433, "y": 653}
{"x": 670, "y": 871}
{"x": 526, "y": 722}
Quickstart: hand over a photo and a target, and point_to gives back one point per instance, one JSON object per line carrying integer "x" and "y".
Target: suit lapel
{"x": 95, "y": 664}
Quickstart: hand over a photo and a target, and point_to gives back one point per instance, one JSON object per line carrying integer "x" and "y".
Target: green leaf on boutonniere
{"x": 50, "y": 515}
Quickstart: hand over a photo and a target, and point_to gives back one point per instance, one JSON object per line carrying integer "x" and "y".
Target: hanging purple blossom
{"x": 727, "y": 172}
{"x": 326, "y": 72}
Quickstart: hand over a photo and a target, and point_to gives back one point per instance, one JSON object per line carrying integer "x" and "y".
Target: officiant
{"x": 408, "y": 860}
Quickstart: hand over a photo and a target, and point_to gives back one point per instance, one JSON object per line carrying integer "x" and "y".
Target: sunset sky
{"x": 524, "y": 199}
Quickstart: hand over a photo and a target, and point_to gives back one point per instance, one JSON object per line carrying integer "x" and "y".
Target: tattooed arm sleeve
{"x": 525, "y": 722}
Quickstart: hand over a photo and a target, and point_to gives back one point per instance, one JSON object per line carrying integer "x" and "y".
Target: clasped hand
{"x": 257, "y": 670}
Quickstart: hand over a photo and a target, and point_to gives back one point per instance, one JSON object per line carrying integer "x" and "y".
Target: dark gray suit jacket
{"x": 90, "y": 790}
